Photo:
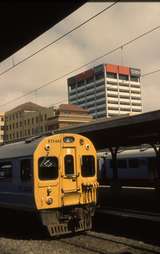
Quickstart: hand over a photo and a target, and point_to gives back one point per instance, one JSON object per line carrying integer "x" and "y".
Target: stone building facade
{"x": 30, "y": 119}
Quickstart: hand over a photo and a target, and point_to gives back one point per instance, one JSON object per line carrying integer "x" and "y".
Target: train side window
{"x": 5, "y": 170}
{"x": 133, "y": 163}
{"x": 69, "y": 164}
{"x": 26, "y": 170}
{"x": 121, "y": 163}
{"x": 48, "y": 168}
{"x": 88, "y": 166}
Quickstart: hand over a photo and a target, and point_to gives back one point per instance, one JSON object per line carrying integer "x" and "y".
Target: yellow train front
{"x": 55, "y": 176}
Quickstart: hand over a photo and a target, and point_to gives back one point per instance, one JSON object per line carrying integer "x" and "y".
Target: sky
{"x": 121, "y": 23}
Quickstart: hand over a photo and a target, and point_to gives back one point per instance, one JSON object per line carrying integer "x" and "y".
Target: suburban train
{"x": 53, "y": 176}
{"x": 136, "y": 167}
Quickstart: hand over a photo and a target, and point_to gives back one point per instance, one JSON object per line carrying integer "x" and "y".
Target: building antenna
{"x": 122, "y": 56}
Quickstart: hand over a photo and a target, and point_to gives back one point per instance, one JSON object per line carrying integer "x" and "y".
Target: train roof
{"x": 19, "y": 149}
{"x": 131, "y": 153}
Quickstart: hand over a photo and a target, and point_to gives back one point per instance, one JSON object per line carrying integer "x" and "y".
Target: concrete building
{"x": 67, "y": 115}
{"x": 107, "y": 90}
{"x": 1, "y": 127}
{"x": 30, "y": 119}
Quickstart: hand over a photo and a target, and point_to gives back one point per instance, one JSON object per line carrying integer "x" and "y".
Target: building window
{"x": 28, "y": 121}
{"x": 80, "y": 83}
{"x": 111, "y": 75}
{"x": 26, "y": 170}
{"x": 72, "y": 86}
{"x": 16, "y": 125}
{"x": 136, "y": 110}
{"x": 48, "y": 168}
{"x": 123, "y": 77}
{"x": 2, "y": 128}
{"x": 125, "y": 109}
{"x": 89, "y": 80}
{"x": 32, "y": 120}
{"x": 99, "y": 75}
{"x": 133, "y": 78}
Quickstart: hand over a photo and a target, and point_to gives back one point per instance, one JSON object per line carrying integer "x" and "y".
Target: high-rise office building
{"x": 107, "y": 90}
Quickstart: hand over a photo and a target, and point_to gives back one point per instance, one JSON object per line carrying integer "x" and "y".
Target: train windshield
{"x": 88, "y": 166}
{"x": 48, "y": 168}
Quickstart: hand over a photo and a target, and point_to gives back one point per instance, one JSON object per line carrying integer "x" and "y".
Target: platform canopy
{"x": 121, "y": 131}
{"x": 23, "y": 21}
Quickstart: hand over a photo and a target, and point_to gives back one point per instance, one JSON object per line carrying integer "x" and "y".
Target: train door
{"x": 69, "y": 176}
{"x": 69, "y": 170}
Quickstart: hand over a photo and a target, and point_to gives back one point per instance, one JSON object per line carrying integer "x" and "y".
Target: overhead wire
{"x": 150, "y": 73}
{"x": 84, "y": 65}
{"x": 58, "y": 39}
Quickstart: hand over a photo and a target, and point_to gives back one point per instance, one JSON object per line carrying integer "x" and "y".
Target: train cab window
{"x": 88, "y": 166}
{"x": 48, "y": 168}
{"x": 69, "y": 164}
{"x": 5, "y": 170}
{"x": 133, "y": 163}
{"x": 26, "y": 170}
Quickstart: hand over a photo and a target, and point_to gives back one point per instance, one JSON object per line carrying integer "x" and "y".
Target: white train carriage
{"x": 136, "y": 167}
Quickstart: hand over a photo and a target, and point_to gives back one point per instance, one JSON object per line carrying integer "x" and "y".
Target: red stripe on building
{"x": 123, "y": 70}
{"x": 111, "y": 68}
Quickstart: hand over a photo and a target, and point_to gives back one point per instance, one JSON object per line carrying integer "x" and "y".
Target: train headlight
{"x": 49, "y": 201}
{"x": 47, "y": 147}
{"x": 87, "y": 147}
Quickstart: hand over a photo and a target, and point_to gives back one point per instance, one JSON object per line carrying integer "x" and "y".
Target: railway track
{"x": 109, "y": 244}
